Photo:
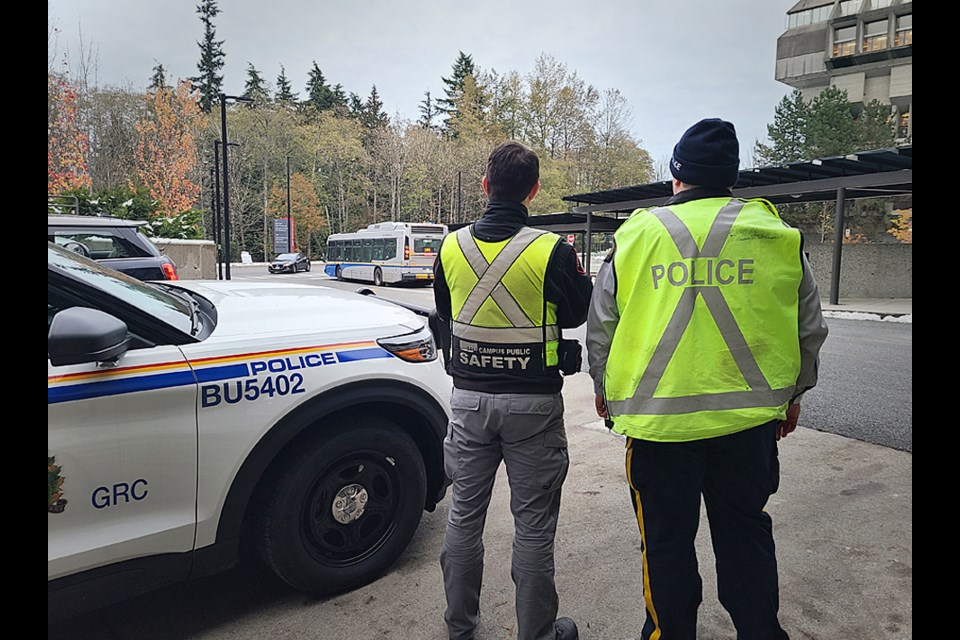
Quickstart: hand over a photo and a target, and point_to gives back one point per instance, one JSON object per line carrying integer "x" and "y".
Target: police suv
{"x": 190, "y": 420}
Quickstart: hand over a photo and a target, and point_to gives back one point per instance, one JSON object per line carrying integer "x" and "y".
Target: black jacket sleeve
{"x": 568, "y": 286}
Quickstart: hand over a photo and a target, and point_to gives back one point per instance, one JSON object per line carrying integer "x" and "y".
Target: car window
{"x": 100, "y": 245}
{"x": 148, "y": 298}
{"x": 287, "y": 256}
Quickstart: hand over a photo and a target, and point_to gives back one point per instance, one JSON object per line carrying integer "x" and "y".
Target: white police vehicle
{"x": 188, "y": 419}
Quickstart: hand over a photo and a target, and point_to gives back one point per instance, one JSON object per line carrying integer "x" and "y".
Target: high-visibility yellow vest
{"x": 707, "y": 342}
{"x": 502, "y": 321}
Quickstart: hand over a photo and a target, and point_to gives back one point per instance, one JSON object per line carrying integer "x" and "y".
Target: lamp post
{"x": 218, "y": 208}
{"x": 226, "y": 179}
{"x": 289, "y": 219}
{"x": 214, "y": 207}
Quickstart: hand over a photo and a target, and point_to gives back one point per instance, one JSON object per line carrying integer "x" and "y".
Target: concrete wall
{"x": 195, "y": 259}
{"x": 866, "y": 270}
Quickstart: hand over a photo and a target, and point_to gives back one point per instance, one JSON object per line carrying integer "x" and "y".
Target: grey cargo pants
{"x": 527, "y": 433}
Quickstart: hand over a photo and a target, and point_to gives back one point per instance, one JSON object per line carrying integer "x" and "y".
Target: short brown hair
{"x": 512, "y": 171}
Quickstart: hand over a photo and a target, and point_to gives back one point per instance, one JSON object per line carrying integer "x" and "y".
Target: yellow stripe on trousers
{"x": 646, "y": 573}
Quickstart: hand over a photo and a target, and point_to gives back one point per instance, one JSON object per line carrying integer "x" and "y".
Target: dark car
{"x": 289, "y": 263}
{"x": 114, "y": 242}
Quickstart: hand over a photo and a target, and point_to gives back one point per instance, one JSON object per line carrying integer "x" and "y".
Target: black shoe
{"x": 566, "y": 629}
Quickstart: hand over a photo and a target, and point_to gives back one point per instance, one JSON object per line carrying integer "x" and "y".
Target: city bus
{"x": 385, "y": 253}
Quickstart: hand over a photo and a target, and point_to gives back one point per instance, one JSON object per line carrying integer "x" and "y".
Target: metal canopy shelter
{"x": 866, "y": 174}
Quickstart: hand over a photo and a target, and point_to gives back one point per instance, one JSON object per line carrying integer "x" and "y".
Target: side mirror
{"x": 79, "y": 335}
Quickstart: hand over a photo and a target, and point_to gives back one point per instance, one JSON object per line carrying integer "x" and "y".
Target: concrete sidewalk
{"x": 842, "y": 521}
{"x": 885, "y": 308}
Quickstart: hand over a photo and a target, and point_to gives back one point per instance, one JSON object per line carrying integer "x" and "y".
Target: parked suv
{"x": 115, "y": 242}
{"x": 193, "y": 419}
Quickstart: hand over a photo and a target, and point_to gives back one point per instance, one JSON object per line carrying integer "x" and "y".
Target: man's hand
{"x": 600, "y": 405}
{"x": 787, "y": 426}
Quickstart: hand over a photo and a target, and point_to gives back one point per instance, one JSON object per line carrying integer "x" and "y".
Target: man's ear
{"x": 483, "y": 183}
{"x": 534, "y": 191}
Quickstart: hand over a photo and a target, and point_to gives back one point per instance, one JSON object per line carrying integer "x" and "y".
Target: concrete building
{"x": 862, "y": 46}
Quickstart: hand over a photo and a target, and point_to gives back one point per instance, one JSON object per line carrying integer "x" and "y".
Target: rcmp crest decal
{"x": 56, "y": 503}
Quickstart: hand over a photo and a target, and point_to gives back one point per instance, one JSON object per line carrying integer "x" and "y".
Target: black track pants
{"x": 735, "y": 474}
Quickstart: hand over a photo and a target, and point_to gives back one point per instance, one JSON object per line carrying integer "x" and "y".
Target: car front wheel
{"x": 307, "y": 267}
{"x": 343, "y": 507}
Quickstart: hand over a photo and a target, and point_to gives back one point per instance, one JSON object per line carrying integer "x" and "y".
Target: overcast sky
{"x": 675, "y": 61}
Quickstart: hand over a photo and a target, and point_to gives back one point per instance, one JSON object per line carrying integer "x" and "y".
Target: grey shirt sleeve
{"x": 602, "y": 319}
{"x": 812, "y": 330}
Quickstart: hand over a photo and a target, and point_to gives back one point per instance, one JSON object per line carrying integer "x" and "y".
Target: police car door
{"x": 121, "y": 460}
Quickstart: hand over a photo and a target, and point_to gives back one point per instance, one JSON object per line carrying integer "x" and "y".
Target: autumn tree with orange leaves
{"x": 67, "y": 144}
{"x": 902, "y": 228}
{"x": 167, "y": 150}
{"x": 304, "y": 208}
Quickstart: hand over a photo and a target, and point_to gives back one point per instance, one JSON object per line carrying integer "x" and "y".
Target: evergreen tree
{"x": 340, "y": 100}
{"x": 285, "y": 94}
{"x": 787, "y": 133}
{"x": 355, "y": 106}
{"x": 462, "y": 68}
{"x": 159, "y": 78}
{"x": 831, "y": 129}
{"x": 318, "y": 91}
{"x": 428, "y": 111}
{"x": 209, "y": 81}
{"x": 373, "y": 116}
{"x": 876, "y": 129}
{"x": 256, "y": 86}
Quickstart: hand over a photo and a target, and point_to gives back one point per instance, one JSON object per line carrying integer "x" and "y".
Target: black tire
{"x": 377, "y": 277}
{"x": 339, "y": 273}
{"x": 342, "y": 507}
{"x": 307, "y": 267}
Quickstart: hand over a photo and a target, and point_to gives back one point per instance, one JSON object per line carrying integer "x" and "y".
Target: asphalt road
{"x": 842, "y": 520}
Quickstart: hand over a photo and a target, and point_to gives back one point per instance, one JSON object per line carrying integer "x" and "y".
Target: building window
{"x": 903, "y": 126}
{"x": 809, "y": 16}
{"x": 875, "y": 35}
{"x": 880, "y": 4}
{"x": 844, "y": 41}
{"x": 850, "y": 7}
{"x": 904, "y": 33}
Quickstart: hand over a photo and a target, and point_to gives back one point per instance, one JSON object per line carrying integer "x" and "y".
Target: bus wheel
{"x": 339, "y": 273}
{"x": 377, "y": 277}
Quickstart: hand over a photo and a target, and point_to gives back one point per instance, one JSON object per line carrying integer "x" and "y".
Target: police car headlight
{"x": 412, "y": 347}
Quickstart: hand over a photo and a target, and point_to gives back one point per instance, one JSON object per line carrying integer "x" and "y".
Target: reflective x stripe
{"x": 507, "y": 335}
{"x": 490, "y": 274}
{"x": 761, "y": 394}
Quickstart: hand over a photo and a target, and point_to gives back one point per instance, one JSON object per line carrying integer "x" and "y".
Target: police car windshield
{"x": 137, "y": 293}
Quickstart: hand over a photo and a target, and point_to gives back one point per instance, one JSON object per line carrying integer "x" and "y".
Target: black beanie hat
{"x": 708, "y": 155}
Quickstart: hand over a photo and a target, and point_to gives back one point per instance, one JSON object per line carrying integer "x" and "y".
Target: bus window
{"x": 390, "y": 248}
{"x": 366, "y": 250}
{"x": 378, "y": 248}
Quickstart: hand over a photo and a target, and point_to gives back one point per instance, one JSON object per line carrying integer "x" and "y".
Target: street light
{"x": 226, "y": 180}
{"x": 289, "y": 219}
{"x": 217, "y": 208}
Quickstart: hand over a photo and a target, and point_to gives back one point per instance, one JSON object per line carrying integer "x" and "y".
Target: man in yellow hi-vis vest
{"x": 704, "y": 330}
{"x": 506, "y": 291}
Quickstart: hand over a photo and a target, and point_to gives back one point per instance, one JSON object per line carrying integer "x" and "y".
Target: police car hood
{"x": 245, "y": 308}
